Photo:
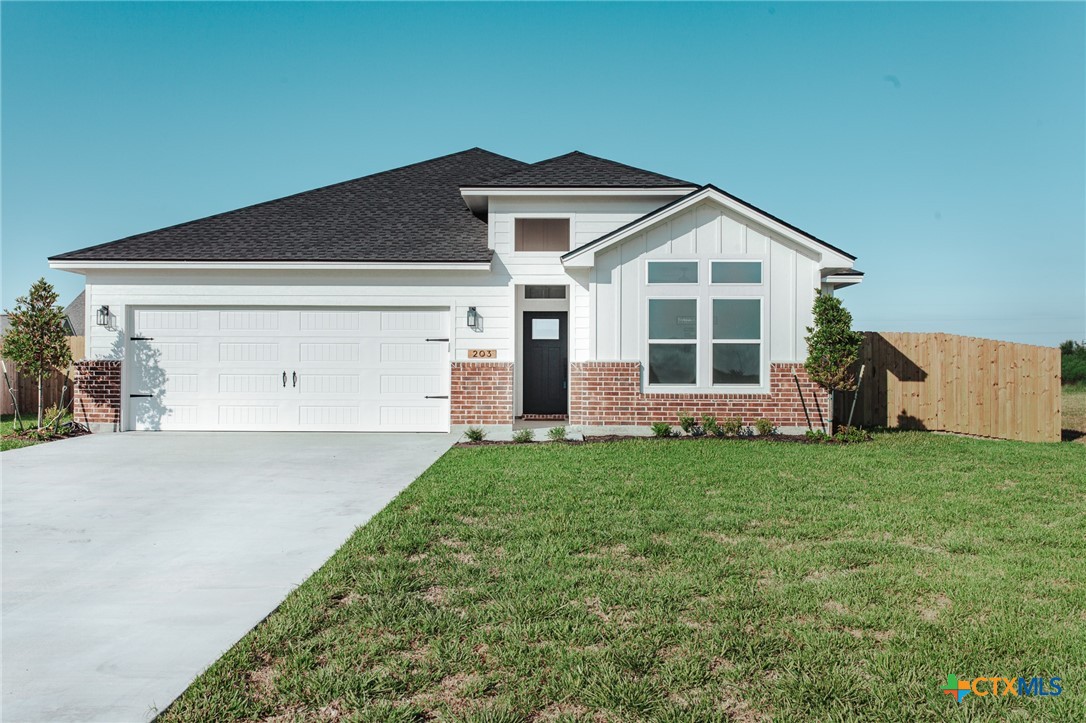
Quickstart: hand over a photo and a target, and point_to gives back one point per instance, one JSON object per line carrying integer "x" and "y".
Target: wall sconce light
{"x": 473, "y": 318}
{"x": 102, "y": 317}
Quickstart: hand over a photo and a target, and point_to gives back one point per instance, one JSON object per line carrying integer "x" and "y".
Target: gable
{"x": 733, "y": 212}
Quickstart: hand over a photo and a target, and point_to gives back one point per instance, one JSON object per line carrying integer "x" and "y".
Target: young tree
{"x": 36, "y": 340}
{"x": 832, "y": 346}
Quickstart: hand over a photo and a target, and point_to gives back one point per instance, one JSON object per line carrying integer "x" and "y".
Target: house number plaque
{"x": 482, "y": 353}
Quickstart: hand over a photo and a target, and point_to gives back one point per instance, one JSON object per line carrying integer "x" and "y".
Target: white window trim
{"x": 761, "y": 272}
{"x": 696, "y": 341}
{"x": 685, "y": 284}
{"x": 760, "y": 341}
{"x": 542, "y": 254}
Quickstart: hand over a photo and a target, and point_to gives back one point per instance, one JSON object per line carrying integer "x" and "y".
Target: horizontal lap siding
{"x": 489, "y": 293}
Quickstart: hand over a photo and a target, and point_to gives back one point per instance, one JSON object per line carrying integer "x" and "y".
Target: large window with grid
{"x": 706, "y": 325}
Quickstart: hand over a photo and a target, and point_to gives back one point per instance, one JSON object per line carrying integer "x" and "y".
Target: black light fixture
{"x": 473, "y": 318}
{"x": 102, "y": 317}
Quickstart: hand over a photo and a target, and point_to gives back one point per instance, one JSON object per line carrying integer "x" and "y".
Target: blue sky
{"x": 943, "y": 144}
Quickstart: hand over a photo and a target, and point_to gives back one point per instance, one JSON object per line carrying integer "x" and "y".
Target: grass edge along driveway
{"x": 688, "y": 581}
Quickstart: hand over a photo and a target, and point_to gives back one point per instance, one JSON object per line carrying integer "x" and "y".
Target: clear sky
{"x": 943, "y": 144}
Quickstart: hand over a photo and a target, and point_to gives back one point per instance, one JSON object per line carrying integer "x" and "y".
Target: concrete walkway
{"x": 132, "y": 561}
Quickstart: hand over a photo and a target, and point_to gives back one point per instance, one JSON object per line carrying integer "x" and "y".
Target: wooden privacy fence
{"x": 26, "y": 388}
{"x": 957, "y": 384}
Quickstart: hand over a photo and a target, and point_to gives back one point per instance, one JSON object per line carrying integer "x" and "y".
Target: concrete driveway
{"x": 132, "y": 561}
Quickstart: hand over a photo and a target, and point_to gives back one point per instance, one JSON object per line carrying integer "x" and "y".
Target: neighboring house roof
{"x": 705, "y": 191}
{"x": 76, "y": 313}
{"x": 580, "y": 170}
{"x": 413, "y": 214}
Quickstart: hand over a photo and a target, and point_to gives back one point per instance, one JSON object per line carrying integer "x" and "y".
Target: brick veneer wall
{"x": 482, "y": 393}
{"x": 97, "y": 396}
{"x": 609, "y": 394}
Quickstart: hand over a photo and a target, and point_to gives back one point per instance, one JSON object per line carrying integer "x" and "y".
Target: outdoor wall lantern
{"x": 473, "y": 318}
{"x": 102, "y": 317}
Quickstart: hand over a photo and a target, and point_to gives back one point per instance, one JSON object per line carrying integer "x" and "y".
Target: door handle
{"x": 295, "y": 383}
{"x": 284, "y": 379}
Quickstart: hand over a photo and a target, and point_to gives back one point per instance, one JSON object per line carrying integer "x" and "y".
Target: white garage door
{"x": 381, "y": 370}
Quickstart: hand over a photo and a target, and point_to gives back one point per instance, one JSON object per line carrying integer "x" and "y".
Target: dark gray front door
{"x": 546, "y": 362}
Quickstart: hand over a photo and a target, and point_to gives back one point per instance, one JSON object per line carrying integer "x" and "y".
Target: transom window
{"x": 544, "y": 292}
{"x": 542, "y": 234}
{"x": 672, "y": 272}
{"x": 736, "y": 272}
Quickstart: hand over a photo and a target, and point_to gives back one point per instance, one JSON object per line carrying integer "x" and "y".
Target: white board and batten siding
{"x": 590, "y": 217}
{"x": 288, "y": 369}
{"x": 705, "y": 233}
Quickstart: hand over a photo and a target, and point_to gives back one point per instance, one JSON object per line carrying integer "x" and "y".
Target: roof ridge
{"x": 278, "y": 199}
{"x": 582, "y": 154}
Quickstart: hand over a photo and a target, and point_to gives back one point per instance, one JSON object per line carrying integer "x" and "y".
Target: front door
{"x": 546, "y": 358}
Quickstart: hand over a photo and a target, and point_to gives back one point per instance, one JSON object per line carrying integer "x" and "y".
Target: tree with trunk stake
{"x": 832, "y": 346}
{"x": 36, "y": 339}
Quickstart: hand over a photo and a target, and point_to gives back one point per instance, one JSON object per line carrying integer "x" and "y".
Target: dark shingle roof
{"x": 580, "y": 170}
{"x": 76, "y": 314}
{"x": 409, "y": 214}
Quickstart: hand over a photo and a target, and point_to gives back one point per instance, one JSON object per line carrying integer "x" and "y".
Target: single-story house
{"x": 470, "y": 289}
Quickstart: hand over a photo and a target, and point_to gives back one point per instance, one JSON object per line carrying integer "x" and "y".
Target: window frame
{"x": 761, "y": 272}
{"x": 684, "y": 284}
{"x": 696, "y": 341}
{"x": 760, "y": 341}
{"x": 569, "y": 217}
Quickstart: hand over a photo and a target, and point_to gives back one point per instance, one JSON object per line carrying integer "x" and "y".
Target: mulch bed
{"x": 67, "y": 431}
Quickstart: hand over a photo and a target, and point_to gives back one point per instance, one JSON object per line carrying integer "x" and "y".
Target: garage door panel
{"x": 351, "y": 370}
{"x": 248, "y": 320}
{"x": 326, "y": 416}
{"x": 318, "y": 383}
{"x": 330, "y": 320}
{"x": 329, "y": 352}
{"x": 249, "y": 351}
{"x": 249, "y": 383}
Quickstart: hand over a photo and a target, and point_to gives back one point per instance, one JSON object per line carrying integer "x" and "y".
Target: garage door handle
{"x": 437, "y": 396}
{"x": 437, "y": 340}
{"x": 295, "y": 379}
{"x": 141, "y": 395}
{"x": 284, "y": 379}
{"x": 141, "y": 338}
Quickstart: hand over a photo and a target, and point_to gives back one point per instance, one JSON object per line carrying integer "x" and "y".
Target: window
{"x": 673, "y": 272}
{"x": 542, "y": 234}
{"x": 545, "y": 329}
{"x": 544, "y": 292}
{"x": 737, "y": 341}
{"x": 737, "y": 272}
{"x": 673, "y": 347}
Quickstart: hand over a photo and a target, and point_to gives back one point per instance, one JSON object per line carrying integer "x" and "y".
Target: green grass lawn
{"x": 7, "y": 428}
{"x": 688, "y": 581}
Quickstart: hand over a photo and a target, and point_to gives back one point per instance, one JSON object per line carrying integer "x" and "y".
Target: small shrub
{"x": 710, "y": 425}
{"x": 524, "y": 435}
{"x": 852, "y": 434}
{"x": 764, "y": 427}
{"x": 818, "y": 435}
{"x": 746, "y": 431}
{"x": 689, "y": 425}
{"x": 731, "y": 427}
{"x": 557, "y": 434}
{"x": 475, "y": 434}
{"x": 662, "y": 429}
